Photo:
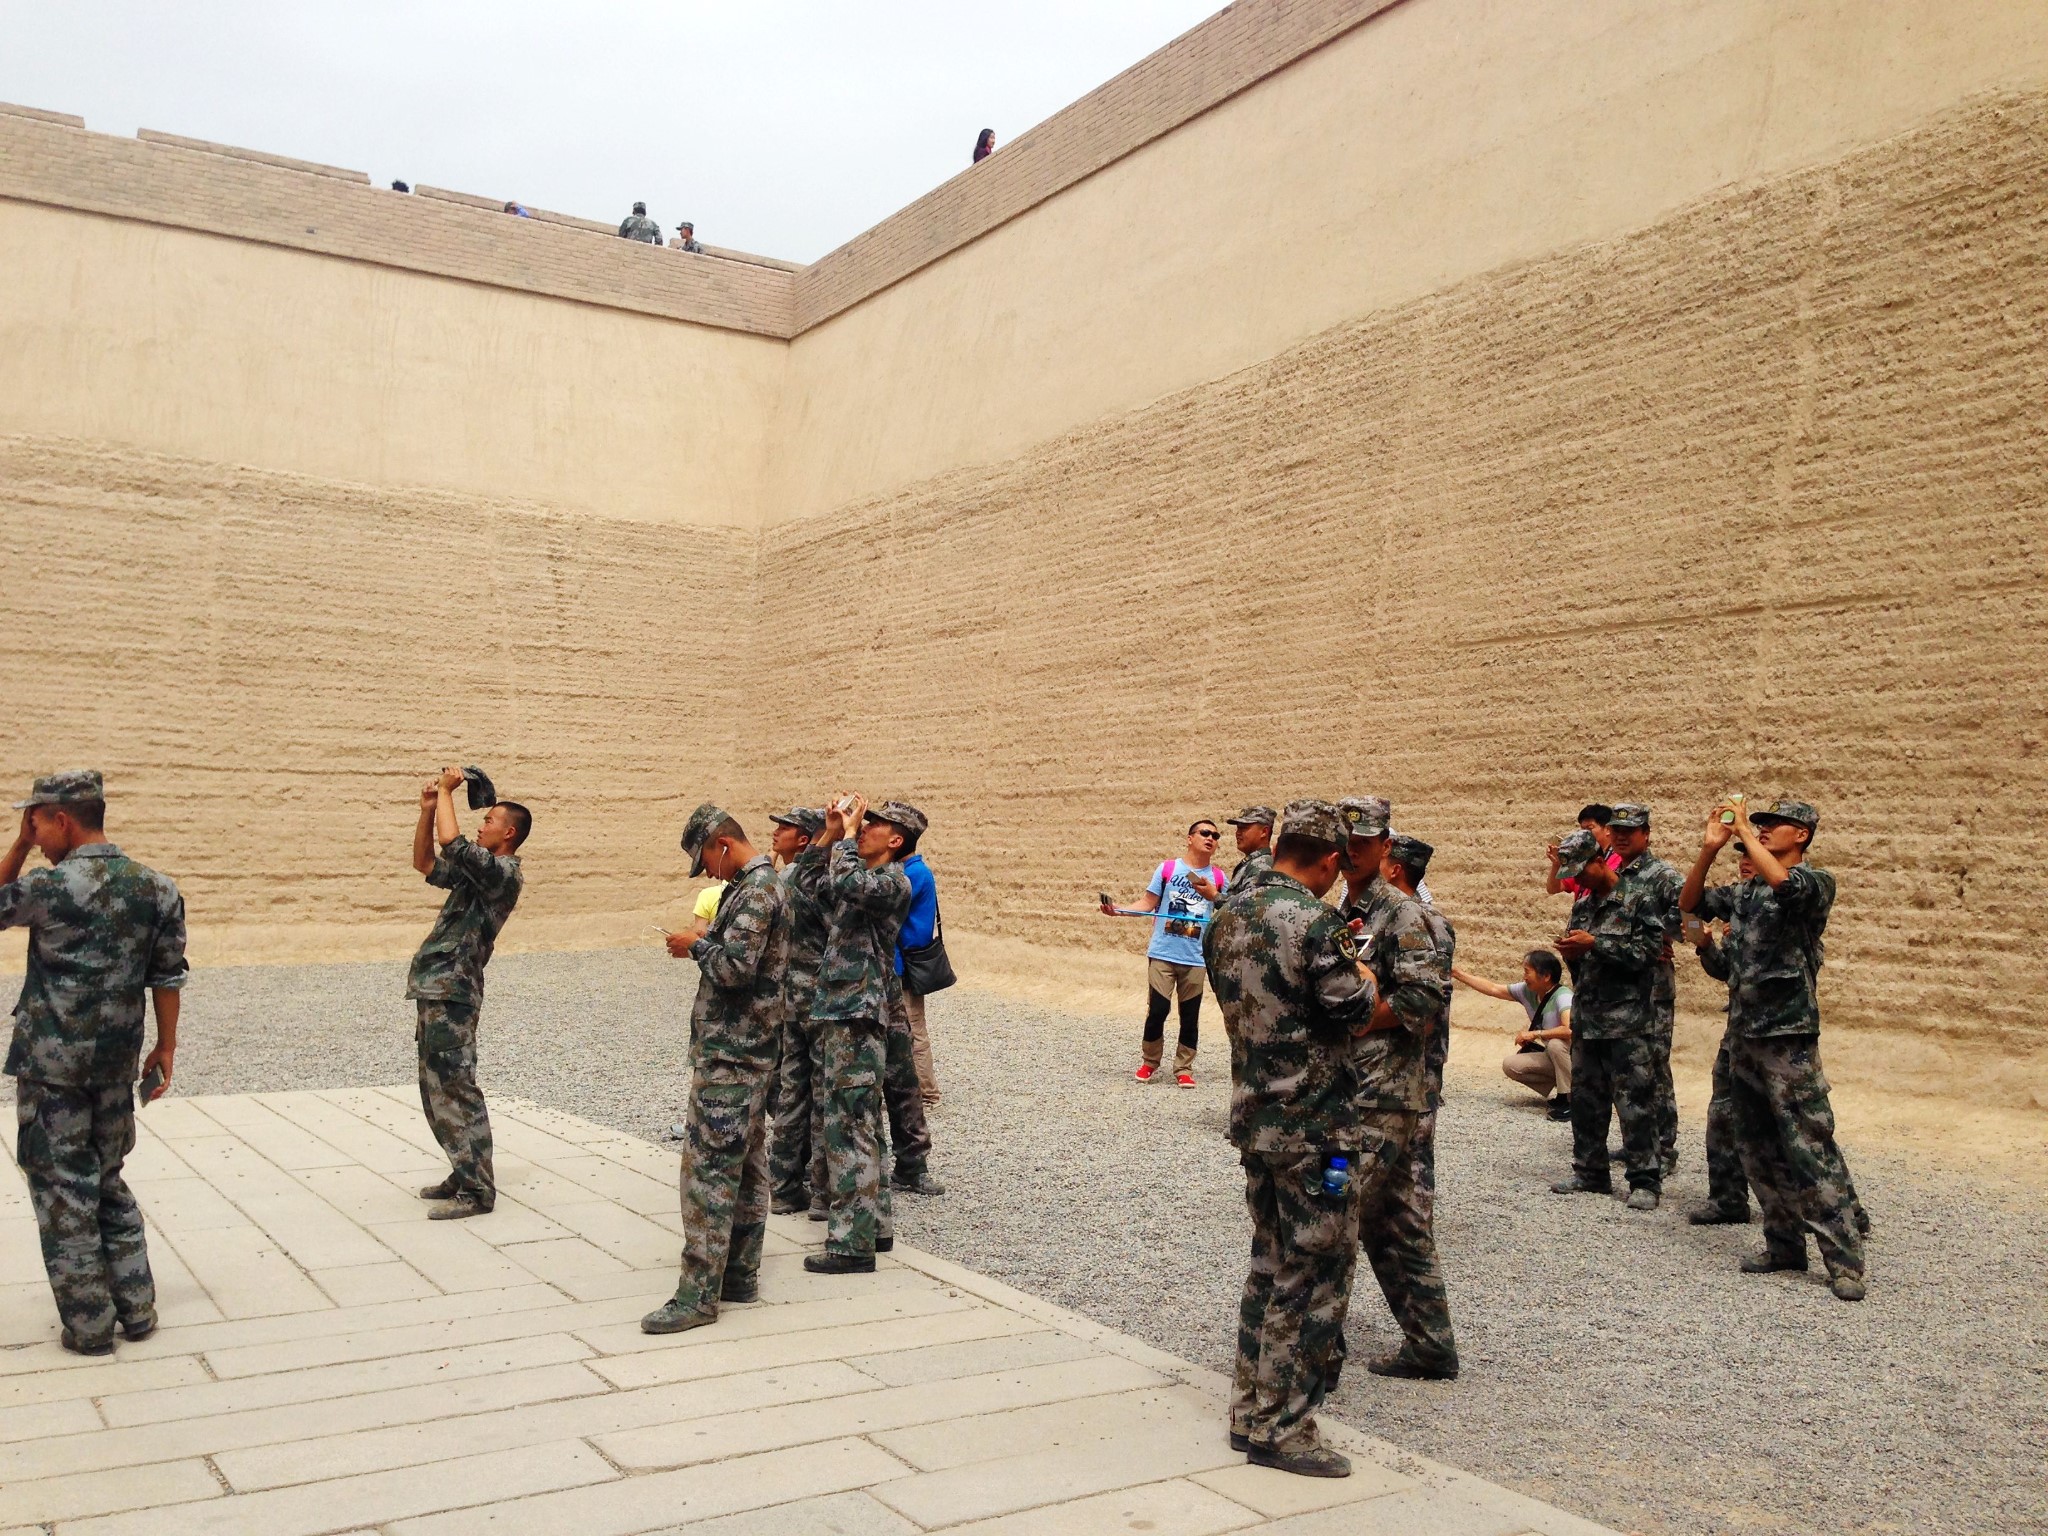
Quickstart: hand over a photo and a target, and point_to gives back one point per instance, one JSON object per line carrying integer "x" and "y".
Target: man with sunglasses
{"x": 1183, "y": 892}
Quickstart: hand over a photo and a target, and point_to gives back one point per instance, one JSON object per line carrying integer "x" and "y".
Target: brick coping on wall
{"x": 50, "y": 158}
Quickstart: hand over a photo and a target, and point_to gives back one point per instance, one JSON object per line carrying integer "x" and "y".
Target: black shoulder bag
{"x": 926, "y": 969}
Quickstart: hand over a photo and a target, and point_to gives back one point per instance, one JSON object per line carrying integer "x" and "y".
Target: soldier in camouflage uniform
{"x": 1628, "y": 828}
{"x": 742, "y": 991}
{"x": 637, "y": 226}
{"x": 1612, "y": 943}
{"x": 1254, "y": 831}
{"x": 446, "y": 981}
{"x": 796, "y": 1154}
{"x": 1784, "y": 1122}
{"x": 1366, "y": 896}
{"x": 1286, "y": 973}
{"x": 1727, "y": 1188}
{"x": 1410, "y": 950}
{"x": 103, "y": 929}
{"x": 855, "y": 874}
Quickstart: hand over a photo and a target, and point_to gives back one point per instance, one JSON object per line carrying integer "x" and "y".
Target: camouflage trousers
{"x": 450, "y": 1096}
{"x": 1397, "y": 1228}
{"x": 1610, "y": 1078}
{"x": 852, "y": 1063}
{"x": 1785, "y": 1126}
{"x": 1290, "y": 1322}
{"x": 70, "y": 1145}
{"x": 1664, "y": 1019}
{"x": 1727, "y": 1186}
{"x": 910, "y": 1136}
{"x": 796, "y": 1172}
{"x": 724, "y": 1182}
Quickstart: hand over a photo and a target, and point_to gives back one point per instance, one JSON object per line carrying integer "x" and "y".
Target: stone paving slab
{"x": 330, "y": 1364}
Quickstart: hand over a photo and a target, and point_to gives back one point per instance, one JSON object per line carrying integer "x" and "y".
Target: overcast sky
{"x": 780, "y": 126}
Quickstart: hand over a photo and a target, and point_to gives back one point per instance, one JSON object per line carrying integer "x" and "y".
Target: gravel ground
{"x": 1614, "y": 1364}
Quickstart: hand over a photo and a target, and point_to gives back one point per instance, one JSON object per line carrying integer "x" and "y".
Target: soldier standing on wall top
{"x": 1253, "y": 829}
{"x": 483, "y": 882}
{"x": 742, "y": 957}
{"x": 1614, "y": 937}
{"x": 1783, "y": 1120}
{"x": 1628, "y": 838}
{"x": 103, "y": 929}
{"x": 637, "y": 226}
{"x": 1293, "y": 994}
{"x": 855, "y": 874}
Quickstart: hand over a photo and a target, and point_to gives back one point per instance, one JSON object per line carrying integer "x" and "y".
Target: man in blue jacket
{"x": 909, "y": 1085}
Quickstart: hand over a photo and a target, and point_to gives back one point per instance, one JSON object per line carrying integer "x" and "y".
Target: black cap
{"x": 482, "y": 792}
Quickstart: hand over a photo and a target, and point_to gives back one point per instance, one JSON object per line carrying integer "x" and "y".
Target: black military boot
{"x": 917, "y": 1182}
{"x": 739, "y": 1287}
{"x": 1578, "y": 1186}
{"x": 463, "y": 1204}
{"x": 1401, "y": 1363}
{"x": 139, "y": 1327}
{"x": 445, "y": 1190}
{"x": 830, "y": 1263}
{"x": 1321, "y": 1461}
{"x": 1770, "y": 1261}
{"x": 1715, "y": 1214}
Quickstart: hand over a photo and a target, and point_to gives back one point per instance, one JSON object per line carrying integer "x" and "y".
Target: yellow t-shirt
{"x": 707, "y": 900}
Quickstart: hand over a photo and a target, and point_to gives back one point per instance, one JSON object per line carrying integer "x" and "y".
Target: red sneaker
{"x": 1146, "y": 1072}
{"x": 1186, "y": 1079}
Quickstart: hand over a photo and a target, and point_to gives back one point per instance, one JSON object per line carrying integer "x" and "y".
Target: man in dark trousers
{"x": 483, "y": 883}
{"x": 103, "y": 930}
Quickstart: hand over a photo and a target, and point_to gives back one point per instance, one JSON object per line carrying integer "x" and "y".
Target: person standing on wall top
{"x": 742, "y": 957}
{"x": 103, "y": 930}
{"x": 686, "y": 239}
{"x": 984, "y": 145}
{"x": 637, "y": 226}
{"x": 918, "y": 930}
{"x": 483, "y": 883}
{"x": 1784, "y": 1122}
{"x": 1252, "y": 828}
{"x": 1182, "y": 892}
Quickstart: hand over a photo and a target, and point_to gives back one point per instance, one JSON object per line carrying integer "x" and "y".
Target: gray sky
{"x": 779, "y": 126}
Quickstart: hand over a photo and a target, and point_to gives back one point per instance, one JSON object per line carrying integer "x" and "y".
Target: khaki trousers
{"x": 1542, "y": 1071}
{"x": 921, "y": 1046}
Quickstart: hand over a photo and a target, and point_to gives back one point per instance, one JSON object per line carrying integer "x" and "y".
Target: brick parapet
{"x": 64, "y": 166}
{"x": 255, "y": 156}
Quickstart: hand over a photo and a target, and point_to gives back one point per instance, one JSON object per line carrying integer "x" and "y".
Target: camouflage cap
{"x": 1409, "y": 852}
{"x": 807, "y": 819}
{"x": 66, "y": 788}
{"x": 1317, "y": 820}
{"x": 1575, "y": 850}
{"x": 1365, "y": 815}
{"x": 899, "y": 813}
{"x": 1798, "y": 812}
{"x": 704, "y": 820}
{"x": 1254, "y": 816}
{"x": 482, "y": 792}
{"x": 1629, "y": 816}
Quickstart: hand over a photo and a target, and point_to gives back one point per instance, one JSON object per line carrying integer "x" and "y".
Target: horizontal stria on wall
{"x": 267, "y": 667}
{"x": 1753, "y": 500}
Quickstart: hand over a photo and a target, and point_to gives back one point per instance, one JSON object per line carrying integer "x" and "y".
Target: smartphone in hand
{"x": 152, "y": 1081}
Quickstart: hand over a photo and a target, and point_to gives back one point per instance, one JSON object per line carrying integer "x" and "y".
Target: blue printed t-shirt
{"x": 1177, "y": 931}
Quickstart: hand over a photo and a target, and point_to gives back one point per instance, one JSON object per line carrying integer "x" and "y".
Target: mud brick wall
{"x": 1751, "y": 500}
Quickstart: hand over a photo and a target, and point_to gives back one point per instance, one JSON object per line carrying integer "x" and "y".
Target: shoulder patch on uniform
{"x": 1347, "y": 946}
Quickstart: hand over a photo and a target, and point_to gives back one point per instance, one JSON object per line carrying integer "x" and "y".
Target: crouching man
{"x": 742, "y": 959}
{"x": 1287, "y": 974}
{"x": 103, "y": 929}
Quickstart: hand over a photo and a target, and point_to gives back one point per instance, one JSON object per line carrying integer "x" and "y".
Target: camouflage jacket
{"x": 1254, "y": 864}
{"x": 1408, "y": 945}
{"x": 482, "y": 888}
{"x": 1612, "y": 984}
{"x": 1370, "y": 903}
{"x": 103, "y": 930}
{"x": 806, "y": 941}
{"x": 1774, "y": 950}
{"x": 1666, "y": 882}
{"x": 1286, "y": 972}
{"x": 637, "y": 226}
{"x": 743, "y": 965}
{"x": 1437, "y": 1050}
{"x": 863, "y": 910}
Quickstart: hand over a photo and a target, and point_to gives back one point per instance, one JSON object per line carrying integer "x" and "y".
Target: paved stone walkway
{"x": 332, "y": 1362}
